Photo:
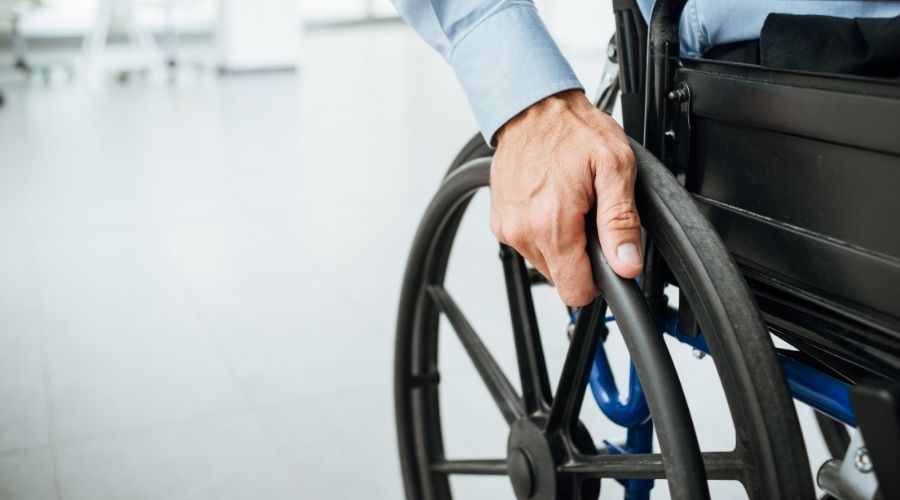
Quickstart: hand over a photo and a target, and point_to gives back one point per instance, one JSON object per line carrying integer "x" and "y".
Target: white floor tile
{"x": 125, "y": 348}
{"x": 341, "y": 447}
{"x": 229, "y": 459}
{"x": 24, "y": 415}
{"x": 27, "y": 475}
{"x": 19, "y": 297}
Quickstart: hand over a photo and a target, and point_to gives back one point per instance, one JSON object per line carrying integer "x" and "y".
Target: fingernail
{"x": 628, "y": 253}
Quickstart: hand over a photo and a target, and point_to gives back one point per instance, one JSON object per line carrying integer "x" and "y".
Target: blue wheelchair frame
{"x": 819, "y": 390}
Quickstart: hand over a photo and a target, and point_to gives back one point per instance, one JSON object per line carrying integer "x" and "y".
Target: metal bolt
{"x": 699, "y": 354}
{"x": 681, "y": 94}
{"x": 861, "y": 460}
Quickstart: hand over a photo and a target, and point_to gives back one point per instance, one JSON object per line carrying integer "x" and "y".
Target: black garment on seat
{"x": 742, "y": 52}
{"x": 861, "y": 46}
{"x": 822, "y": 44}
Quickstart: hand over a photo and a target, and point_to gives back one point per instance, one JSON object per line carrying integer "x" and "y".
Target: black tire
{"x": 769, "y": 457}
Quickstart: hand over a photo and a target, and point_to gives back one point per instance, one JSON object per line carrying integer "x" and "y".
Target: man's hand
{"x": 553, "y": 161}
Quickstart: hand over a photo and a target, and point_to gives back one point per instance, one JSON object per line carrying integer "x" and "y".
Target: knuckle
{"x": 621, "y": 216}
{"x": 517, "y": 239}
{"x": 625, "y": 155}
{"x": 618, "y": 158}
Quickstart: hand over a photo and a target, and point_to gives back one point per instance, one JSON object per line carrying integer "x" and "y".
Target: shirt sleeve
{"x": 500, "y": 50}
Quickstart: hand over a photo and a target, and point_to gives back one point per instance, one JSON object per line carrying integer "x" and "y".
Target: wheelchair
{"x": 767, "y": 199}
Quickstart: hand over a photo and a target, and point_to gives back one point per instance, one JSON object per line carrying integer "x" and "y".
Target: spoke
{"x": 501, "y": 390}
{"x": 493, "y": 467}
{"x": 577, "y": 368}
{"x": 529, "y": 352}
{"x": 719, "y": 465}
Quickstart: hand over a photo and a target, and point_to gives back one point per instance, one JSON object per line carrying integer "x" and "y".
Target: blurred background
{"x": 205, "y": 209}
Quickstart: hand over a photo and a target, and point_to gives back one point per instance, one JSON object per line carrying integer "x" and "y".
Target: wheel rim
{"x": 573, "y": 469}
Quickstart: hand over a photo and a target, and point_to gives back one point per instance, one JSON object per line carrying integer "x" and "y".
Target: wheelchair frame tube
{"x": 813, "y": 387}
{"x": 819, "y": 390}
{"x": 662, "y": 61}
{"x": 627, "y": 412}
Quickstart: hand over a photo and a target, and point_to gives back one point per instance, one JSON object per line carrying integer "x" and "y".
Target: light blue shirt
{"x": 707, "y": 23}
{"x": 506, "y": 59}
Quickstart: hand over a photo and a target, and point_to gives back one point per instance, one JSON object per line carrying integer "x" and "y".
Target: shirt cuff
{"x": 507, "y": 63}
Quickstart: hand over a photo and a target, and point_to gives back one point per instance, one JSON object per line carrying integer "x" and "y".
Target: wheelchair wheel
{"x": 550, "y": 454}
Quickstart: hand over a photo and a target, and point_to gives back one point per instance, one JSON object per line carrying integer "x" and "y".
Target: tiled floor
{"x": 198, "y": 282}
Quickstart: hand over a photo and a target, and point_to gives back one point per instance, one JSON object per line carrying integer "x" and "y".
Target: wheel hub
{"x": 521, "y": 472}
{"x": 531, "y": 462}
{"x": 533, "y": 458}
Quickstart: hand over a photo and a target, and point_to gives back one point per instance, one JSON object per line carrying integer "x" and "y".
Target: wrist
{"x": 544, "y": 112}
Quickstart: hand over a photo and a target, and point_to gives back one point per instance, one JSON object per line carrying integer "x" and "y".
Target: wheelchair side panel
{"x": 799, "y": 173}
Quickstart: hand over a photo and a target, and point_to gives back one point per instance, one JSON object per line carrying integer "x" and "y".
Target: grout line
{"x": 196, "y": 311}
{"x": 54, "y": 455}
{"x": 271, "y": 441}
{"x": 195, "y": 420}
{"x": 215, "y": 342}
{"x": 176, "y": 424}
{"x": 23, "y": 450}
{"x": 46, "y": 382}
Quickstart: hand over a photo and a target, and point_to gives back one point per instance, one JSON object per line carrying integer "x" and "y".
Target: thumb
{"x": 618, "y": 223}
